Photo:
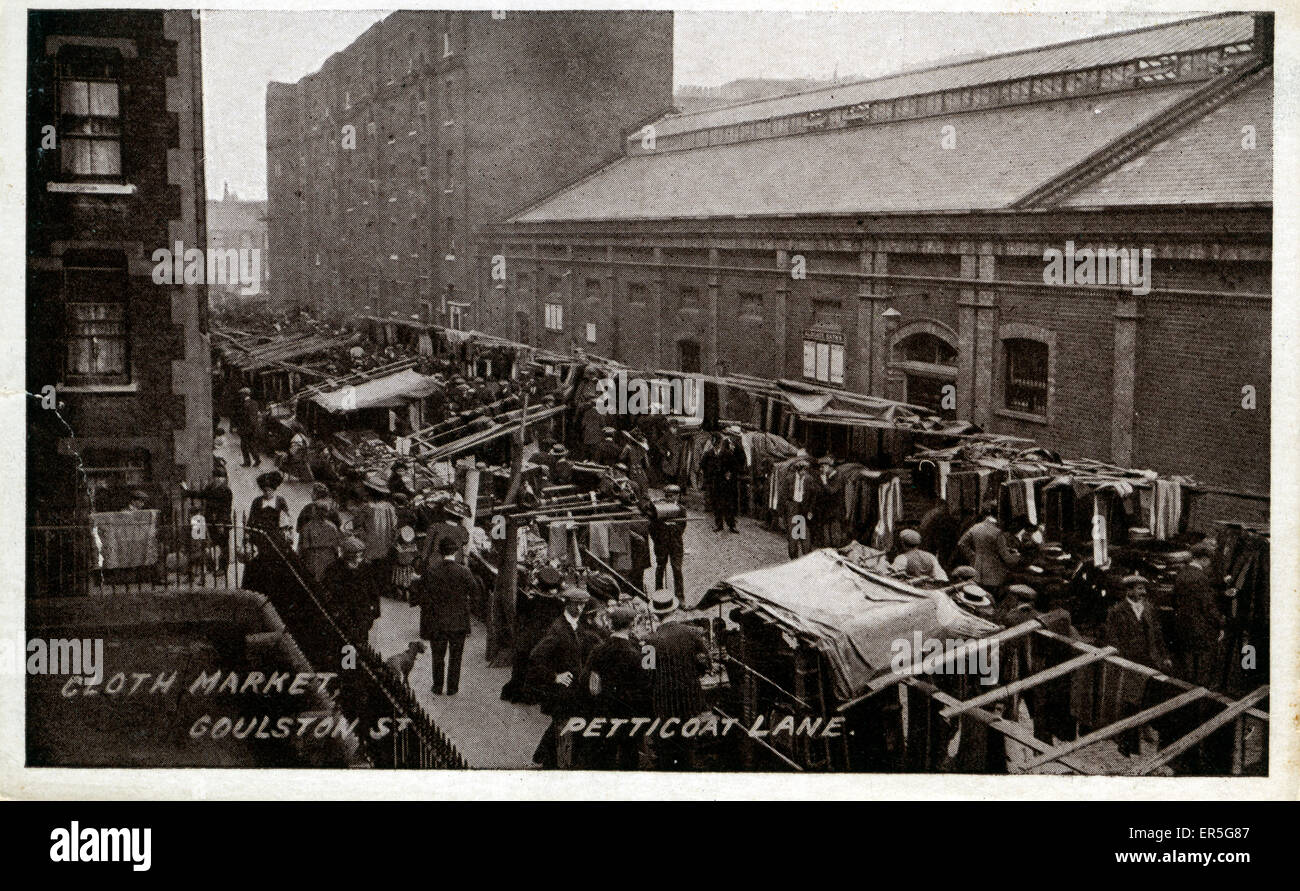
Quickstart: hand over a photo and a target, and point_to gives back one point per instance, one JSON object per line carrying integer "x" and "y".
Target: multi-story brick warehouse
{"x": 430, "y": 124}
{"x": 115, "y": 173}
{"x": 891, "y": 237}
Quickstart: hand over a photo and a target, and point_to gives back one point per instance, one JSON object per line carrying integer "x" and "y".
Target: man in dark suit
{"x": 1198, "y": 622}
{"x": 444, "y": 595}
{"x": 990, "y": 550}
{"x": 250, "y": 425}
{"x": 218, "y": 500}
{"x": 618, "y": 680}
{"x": 1133, "y": 629}
{"x": 555, "y": 669}
{"x": 939, "y": 532}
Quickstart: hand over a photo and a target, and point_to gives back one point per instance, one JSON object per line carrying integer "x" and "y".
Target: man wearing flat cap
{"x": 916, "y": 563}
{"x": 554, "y": 670}
{"x": 1133, "y": 629}
{"x": 1018, "y": 606}
{"x": 351, "y": 588}
{"x": 667, "y": 536}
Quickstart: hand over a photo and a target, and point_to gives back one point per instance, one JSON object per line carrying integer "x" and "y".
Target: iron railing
{"x": 70, "y": 561}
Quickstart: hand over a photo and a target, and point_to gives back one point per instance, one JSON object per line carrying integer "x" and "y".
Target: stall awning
{"x": 254, "y": 358}
{"x": 852, "y": 615}
{"x": 385, "y": 392}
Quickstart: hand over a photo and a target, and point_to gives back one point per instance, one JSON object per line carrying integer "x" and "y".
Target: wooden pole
{"x": 1227, "y": 716}
{"x": 501, "y": 607}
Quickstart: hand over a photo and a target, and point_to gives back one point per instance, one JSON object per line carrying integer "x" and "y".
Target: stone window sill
{"x": 99, "y": 388}
{"x": 92, "y": 188}
{"x": 1020, "y": 416}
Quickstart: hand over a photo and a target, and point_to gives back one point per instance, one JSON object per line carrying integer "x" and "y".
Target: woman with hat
{"x": 268, "y": 509}
{"x": 379, "y": 518}
{"x": 608, "y": 451}
{"x": 402, "y": 561}
{"x": 561, "y": 466}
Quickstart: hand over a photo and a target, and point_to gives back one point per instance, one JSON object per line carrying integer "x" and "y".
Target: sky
{"x": 245, "y": 50}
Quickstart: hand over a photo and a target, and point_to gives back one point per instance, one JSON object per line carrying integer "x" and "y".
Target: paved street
{"x": 486, "y": 730}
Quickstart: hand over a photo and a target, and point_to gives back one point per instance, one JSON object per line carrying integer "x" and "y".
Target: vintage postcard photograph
{"x": 671, "y": 392}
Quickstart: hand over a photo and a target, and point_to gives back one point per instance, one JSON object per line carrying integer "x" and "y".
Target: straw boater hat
{"x": 663, "y": 603}
{"x": 558, "y": 450}
{"x": 734, "y": 430}
{"x": 377, "y": 483}
{"x": 974, "y": 597}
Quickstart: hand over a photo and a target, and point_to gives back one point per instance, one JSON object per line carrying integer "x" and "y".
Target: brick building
{"x": 431, "y": 124}
{"x": 891, "y": 237}
{"x": 239, "y": 225}
{"x": 115, "y": 120}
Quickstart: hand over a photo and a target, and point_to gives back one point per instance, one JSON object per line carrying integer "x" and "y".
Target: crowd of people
{"x": 605, "y": 657}
{"x": 994, "y": 564}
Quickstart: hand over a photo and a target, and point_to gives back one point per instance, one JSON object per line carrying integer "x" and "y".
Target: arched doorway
{"x": 927, "y": 360}
{"x": 523, "y": 328}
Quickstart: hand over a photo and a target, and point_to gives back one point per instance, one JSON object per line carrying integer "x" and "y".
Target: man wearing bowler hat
{"x": 445, "y": 594}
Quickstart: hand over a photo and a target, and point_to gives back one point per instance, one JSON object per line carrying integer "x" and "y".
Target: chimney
{"x": 1264, "y": 36}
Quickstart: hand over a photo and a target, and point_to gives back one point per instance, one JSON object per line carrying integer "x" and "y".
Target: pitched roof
{"x": 1000, "y": 154}
{"x": 1176, "y": 37}
{"x": 1204, "y": 163}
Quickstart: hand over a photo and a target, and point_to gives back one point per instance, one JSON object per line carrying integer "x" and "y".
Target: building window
{"x": 446, "y": 45}
{"x": 111, "y": 470}
{"x": 554, "y": 317}
{"x": 553, "y": 283}
{"x": 90, "y": 118}
{"x": 95, "y": 297}
{"x": 447, "y": 169}
{"x": 456, "y": 316}
{"x": 636, "y": 293}
{"x": 591, "y": 289}
{"x": 751, "y": 304}
{"x": 591, "y": 332}
{"x": 690, "y": 296}
{"x": 823, "y": 361}
{"x": 929, "y": 366}
{"x": 1025, "y": 385}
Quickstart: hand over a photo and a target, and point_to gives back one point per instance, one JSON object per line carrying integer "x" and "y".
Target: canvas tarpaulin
{"x": 853, "y": 616}
{"x": 386, "y": 392}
